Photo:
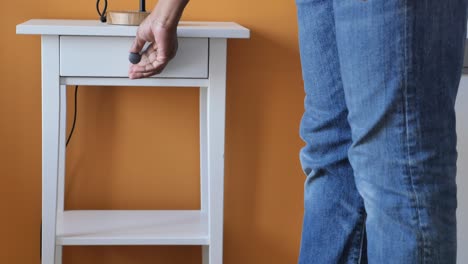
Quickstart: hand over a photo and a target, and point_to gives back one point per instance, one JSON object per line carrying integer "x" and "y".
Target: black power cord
{"x": 74, "y": 117}
{"x": 103, "y": 14}
{"x": 66, "y": 145}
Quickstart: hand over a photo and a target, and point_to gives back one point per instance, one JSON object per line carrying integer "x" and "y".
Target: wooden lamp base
{"x": 126, "y": 18}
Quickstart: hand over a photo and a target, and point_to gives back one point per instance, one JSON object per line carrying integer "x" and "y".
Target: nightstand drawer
{"x": 83, "y": 56}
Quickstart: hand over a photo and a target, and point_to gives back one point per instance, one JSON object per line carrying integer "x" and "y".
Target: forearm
{"x": 167, "y": 13}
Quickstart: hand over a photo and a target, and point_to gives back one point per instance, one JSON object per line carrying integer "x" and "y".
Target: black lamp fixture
{"x": 142, "y": 5}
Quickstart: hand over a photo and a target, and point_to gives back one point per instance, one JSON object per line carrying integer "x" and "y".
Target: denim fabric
{"x": 380, "y": 77}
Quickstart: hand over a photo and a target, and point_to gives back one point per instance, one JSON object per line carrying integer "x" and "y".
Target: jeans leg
{"x": 401, "y": 63}
{"x": 333, "y": 224}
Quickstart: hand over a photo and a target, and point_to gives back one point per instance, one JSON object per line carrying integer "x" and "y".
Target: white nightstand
{"x": 85, "y": 52}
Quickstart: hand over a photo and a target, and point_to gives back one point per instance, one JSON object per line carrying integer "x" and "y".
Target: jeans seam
{"x": 356, "y": 254}
{"x": 361, "y": 246}
{"x": 414, "y": 197}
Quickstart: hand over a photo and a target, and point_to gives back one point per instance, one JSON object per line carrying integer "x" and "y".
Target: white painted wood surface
{"x": 61, "y": 170}
{"x": 192, "y": 29}
{"x": 216, "y": 108}
{"x": 108, "y": 56}
{"x": 204, "y": 184}
{"x": 149, "y": 82}
{"x": 80, "y": 52}
{"x": 50, "y": 144}
{"x": 133, "y": 227}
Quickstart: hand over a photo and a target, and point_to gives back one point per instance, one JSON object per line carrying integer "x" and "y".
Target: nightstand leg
{"x": 204, "y": 163}
{"x": 203, "y": 151}
{"x": 205, "y": 254}
{"x": 216, "y": 100}
{"x": 61, "y": 171}
{"x": 50, "y": 144}
{"x": 58, "y": 255}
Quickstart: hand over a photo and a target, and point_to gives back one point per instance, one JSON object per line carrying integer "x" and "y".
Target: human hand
{"x": 159, "y": 28}
{"x": 159, "y": 53}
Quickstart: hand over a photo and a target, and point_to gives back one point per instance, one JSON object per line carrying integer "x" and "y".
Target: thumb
{"x": 138, "y": 44}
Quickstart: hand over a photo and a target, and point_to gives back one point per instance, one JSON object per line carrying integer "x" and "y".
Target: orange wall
{"x": 137, "y": 148}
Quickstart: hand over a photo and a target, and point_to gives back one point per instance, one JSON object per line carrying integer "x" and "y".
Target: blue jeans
{"x": 380, "y": 77}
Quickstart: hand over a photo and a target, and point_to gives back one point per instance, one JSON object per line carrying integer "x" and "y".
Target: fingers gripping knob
{"x": 134, "y": 58}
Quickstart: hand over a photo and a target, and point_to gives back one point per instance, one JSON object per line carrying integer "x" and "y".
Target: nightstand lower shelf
{"x": 133, "y": 227}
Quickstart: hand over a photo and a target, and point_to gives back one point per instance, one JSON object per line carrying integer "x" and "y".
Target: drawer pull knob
{"x": 134, "y": 58}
